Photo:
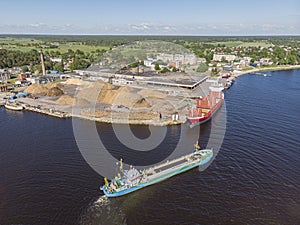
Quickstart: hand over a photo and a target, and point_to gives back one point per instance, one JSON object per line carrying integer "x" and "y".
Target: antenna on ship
{"x": 106, "y": 181}
{"x": 121, "y": 164}
{"x": 197, "y": 147}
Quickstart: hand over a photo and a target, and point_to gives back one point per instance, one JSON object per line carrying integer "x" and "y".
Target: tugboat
{"x": 206, "y": 107}
{"x": 128, "y": 181}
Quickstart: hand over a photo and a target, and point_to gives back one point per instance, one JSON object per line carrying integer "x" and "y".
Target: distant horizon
{"x": 155, "y": 35}
{"x": 168, "y": 17}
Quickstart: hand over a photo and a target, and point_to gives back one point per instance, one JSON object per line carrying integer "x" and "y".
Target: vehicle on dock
{"x": 206, "y": 107}
{"x": 128, "y": 181}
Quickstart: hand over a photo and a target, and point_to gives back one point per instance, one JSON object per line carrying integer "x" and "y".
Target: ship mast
{"x": 121, "y": 164}
{"x": 197, "y": 147}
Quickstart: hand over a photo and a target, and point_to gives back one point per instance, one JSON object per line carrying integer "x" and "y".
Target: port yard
{"x": 46, "y": 106}
{"x": 151, "y": 100}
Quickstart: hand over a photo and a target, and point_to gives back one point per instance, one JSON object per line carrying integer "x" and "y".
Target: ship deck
{"x": 169, "y": 164}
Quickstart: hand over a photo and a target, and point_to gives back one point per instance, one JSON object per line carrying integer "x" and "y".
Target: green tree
{"x": 202, "y": 68}
{"x": 224, "y": 60}
{"x": 48, "y": 65}
{"x": 214, "y": 71}
{"x": 291, "y": 59}
{"x": 156, "y": 66}
{"x": 59, "y": 66}
{"x": 24, "y": 69}
{"x": 79, "y": 64}
{"x": 37, "y": 68}
{"x": 165, "y": 70}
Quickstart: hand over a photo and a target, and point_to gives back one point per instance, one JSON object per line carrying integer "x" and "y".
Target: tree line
{"x": 15, "y": 58}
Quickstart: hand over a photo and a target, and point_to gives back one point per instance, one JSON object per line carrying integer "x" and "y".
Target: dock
{"x": 52, "y": 113}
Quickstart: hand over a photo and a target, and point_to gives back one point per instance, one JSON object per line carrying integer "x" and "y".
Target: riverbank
{"x": 265, "y": 69}
{"x": 162, "y": 122}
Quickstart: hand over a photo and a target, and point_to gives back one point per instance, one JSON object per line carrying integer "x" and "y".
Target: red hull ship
{"x": 206, "y": 107}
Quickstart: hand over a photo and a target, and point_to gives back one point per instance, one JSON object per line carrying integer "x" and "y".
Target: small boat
{"x": 228, "y": 84}
{"x": 14, "y": 107}
{"x": 206, "y": 107}
{"x": 128, "y": 181}
{"x": 262, "y": 74}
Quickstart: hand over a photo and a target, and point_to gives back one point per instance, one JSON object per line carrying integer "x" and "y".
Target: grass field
{"x": 242, "y": 44}
{"x": 256, "y": 44}
{"x": 23, "y": 44}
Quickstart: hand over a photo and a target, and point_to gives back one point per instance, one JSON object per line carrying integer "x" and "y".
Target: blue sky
{"x": 189, "y": 17}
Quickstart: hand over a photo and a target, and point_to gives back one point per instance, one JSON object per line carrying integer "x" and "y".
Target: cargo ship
{"x": 205, "y": 107}
{"x": 128, "y": 181}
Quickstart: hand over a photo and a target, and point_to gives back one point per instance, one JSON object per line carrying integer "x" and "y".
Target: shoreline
{"x": 266, "y": 69}
{"x": 158, "y": 123}
{"x": 162, "y": 122}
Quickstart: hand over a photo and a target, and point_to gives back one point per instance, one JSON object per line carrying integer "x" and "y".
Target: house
{"x": 265, "y": 61}
{"x": 14, "y": 70}
{"x": 23, "y": 76}
{"x": 255, "y": 64}
{"x": 245, "y": 62}
{"x": 165, "y": 57}
{"x": 189, "y": 59}
{"x": 176, "y": 64}
{"x": 33, "y": 80}
{"x": 148, "y": 63}
{"x": 47, "y": 78}
{"x": 228, "y": 68}
{"x": 56, "y": 60}
{"x": 212, "y": 64}
{"x": 225, "y": 74}
{"x": 53, "y": 72}
{"x": 201, "y": 60}
{"x": 221, "y": 57}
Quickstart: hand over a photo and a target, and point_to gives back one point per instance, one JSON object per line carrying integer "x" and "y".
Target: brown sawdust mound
{"x": 36, "y": 89}
{"x": 50, "y": 89}
{"x": 77, "y": 82}
{"x": 152, "y": 94}
{"x": 55, "y": 91}
{"x": 66, "y": 100}
{"x": 142, "y": 103}
{"x": 125, "y": 96}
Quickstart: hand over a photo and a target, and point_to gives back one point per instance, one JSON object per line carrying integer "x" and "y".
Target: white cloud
{"x": 151, "y": 28}
{"x": 36, "y": 24}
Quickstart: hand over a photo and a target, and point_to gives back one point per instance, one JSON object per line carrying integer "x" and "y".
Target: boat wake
{"x": 103, "y": 211}
{"x": 103, "y": 200}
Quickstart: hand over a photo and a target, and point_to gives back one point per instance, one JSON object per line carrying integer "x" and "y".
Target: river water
{"x": 254, "y": 179}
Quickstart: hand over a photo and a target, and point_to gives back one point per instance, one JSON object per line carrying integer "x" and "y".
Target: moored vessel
{"x": 128, "y": 181}
{"x": 205, "y": 107}
{"x": 13, "y": 106}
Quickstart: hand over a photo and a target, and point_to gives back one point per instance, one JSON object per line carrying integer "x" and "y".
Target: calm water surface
{"x": 255, "y": 178}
